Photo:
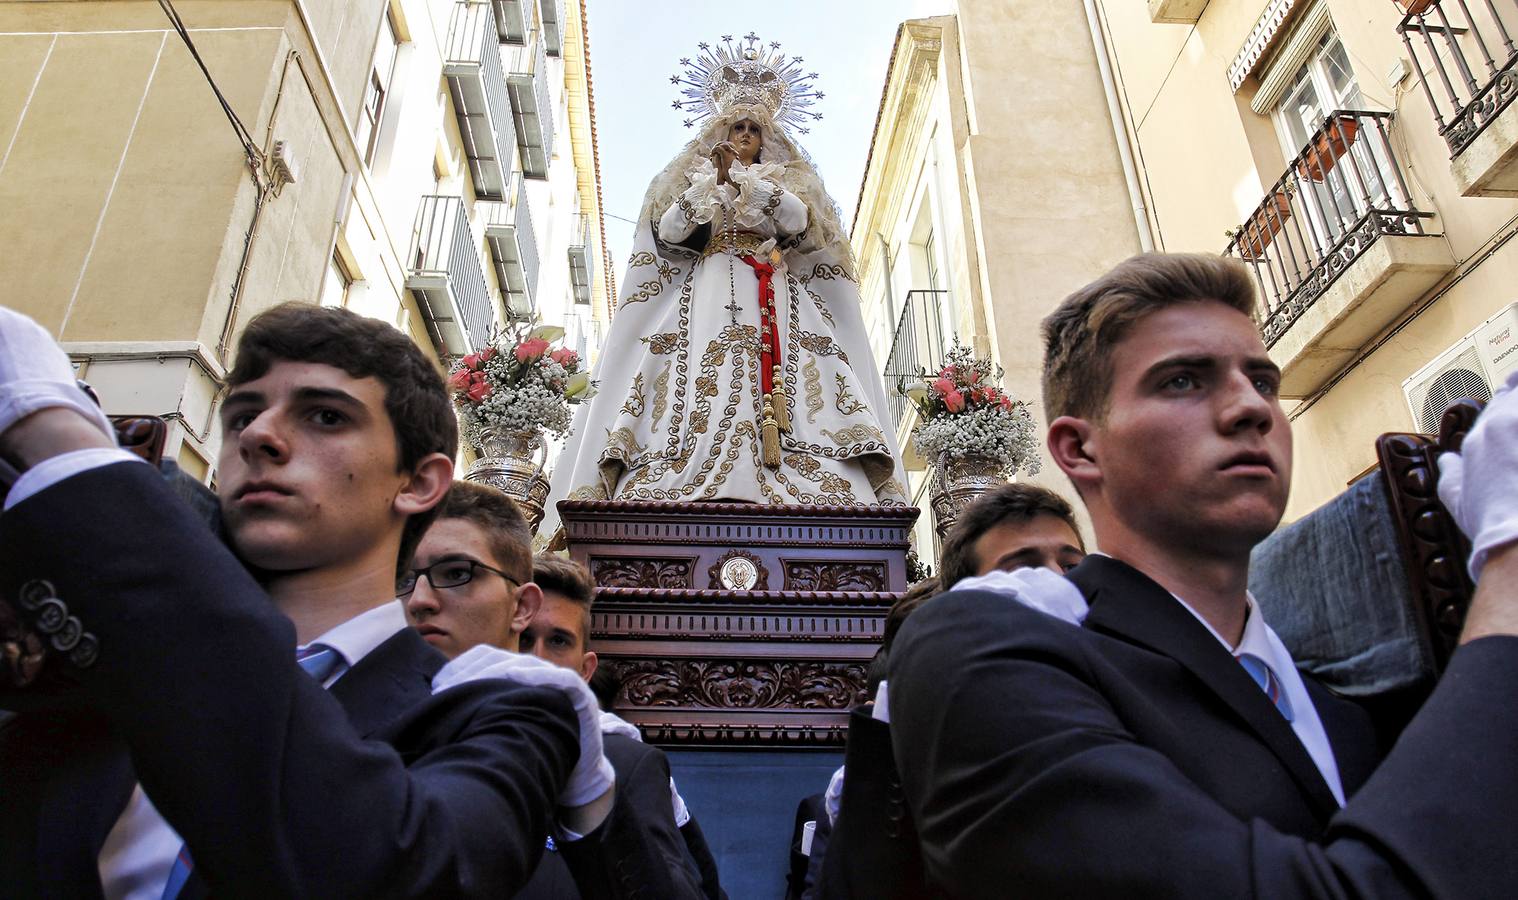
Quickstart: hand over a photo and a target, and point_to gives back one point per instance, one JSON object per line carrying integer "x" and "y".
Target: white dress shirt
{"x": 1261, "y": 640}
{"x": 139, "y": 852}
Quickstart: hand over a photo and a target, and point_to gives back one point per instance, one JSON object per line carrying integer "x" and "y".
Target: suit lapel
{"x": 1350, "y": 735}
{"x": 1130, "y": 606}
{"x": 388, "y": 681}
{"x": 391, "y": 679}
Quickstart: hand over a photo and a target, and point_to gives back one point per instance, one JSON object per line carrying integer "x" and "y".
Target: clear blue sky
{"x": 636, "y": 45}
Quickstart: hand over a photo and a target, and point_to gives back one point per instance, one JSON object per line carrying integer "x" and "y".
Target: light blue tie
{"x": 1266, "y": 678}
{"x": 320, "y": 662}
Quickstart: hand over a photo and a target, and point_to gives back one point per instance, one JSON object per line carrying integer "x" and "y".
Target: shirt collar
{"x": 355, "y": 638}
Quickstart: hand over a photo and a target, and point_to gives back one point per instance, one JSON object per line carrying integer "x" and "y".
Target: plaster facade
{"x": 142, "y": 236}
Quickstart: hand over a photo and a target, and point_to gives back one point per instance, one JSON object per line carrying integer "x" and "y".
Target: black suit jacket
{"x": 637, "y": 852}
{"x": 1134, "y": 757}
{"x": 279, "y": 787}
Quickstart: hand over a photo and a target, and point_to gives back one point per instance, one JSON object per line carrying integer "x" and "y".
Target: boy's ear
{"x": 427, "y": 486}
{"x": 1072, "y": 448}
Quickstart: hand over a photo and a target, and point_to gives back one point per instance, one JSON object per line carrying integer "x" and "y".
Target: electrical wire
{"x": 248, "y": 146}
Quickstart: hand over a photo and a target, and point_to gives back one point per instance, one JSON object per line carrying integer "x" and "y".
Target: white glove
{"x": 592, "y": 775}
{"x": 611, "y": 723}
{"x": 677, "y": 804}
{"x": 1479, "y": 485}
{"x": 1034, "y": 587}
{"x": 35, "y": 374}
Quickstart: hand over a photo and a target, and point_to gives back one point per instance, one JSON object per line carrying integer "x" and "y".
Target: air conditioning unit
{"x": 1472, "y": 368}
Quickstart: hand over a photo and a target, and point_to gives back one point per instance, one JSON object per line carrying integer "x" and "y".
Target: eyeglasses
{"x": 446, "y": 573}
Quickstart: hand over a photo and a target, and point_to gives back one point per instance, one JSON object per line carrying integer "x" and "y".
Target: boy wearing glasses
{"x": 471, "y": 580}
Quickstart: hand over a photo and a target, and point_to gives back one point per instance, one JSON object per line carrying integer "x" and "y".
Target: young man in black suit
{"x": 542, "y": 606}
{"x": 195, "y": 729}
{"x": 1169, "y": 748}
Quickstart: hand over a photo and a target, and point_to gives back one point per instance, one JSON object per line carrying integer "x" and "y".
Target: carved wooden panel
{"x": 832, "y": 575}
{"x": 1432, "y": 546}
{"x": 738, "y": 684}
{"x": 642, "y": 571}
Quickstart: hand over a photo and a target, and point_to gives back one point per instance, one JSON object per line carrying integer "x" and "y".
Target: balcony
{"x": 511, "y": 21}
{"x": 582, "y": 263}
{"x": 919, "y": 344}
{"x": 1176, "y": 12}
{"x": 1337, "y": 249}
{"x": 513, "y": 249}
{"x": 477, "y": 84}
{"x": 532, "y": 108}
{"x": 1466, "y": 66}
{"x": 553, "y": 26}
{"x": 445, "y": 276}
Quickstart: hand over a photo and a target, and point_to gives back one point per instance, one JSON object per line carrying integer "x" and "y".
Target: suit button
{"x": 51, "y": 614}
{"x": 34, "y": 592}
{"x": 85, "y": 652}
{"x": 68, "y": 636}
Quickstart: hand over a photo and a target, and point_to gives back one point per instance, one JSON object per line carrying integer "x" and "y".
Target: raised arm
{"x": 697, "y": 206}
{"x": 1023, "y": 778}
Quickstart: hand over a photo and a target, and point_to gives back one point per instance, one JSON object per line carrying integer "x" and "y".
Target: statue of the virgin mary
{"x": 736, "y": 366}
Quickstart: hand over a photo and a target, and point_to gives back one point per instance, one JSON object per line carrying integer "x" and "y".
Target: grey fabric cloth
{"x": 201, "y": 499}
{"x": 1334, "y": 586}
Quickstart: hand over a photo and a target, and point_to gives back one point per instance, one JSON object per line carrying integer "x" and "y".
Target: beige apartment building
{"x": 428, "y": 162}
{"x": 1359, "y": 156}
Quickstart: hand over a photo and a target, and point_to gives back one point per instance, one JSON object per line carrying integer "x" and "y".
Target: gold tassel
{"x": 782, "y": 408}
{"x": 769, "y": 434}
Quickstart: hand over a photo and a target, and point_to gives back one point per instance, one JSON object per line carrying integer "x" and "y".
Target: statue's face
{"x": 748, "y": 138}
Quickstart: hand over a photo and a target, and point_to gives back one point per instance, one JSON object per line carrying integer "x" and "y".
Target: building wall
{"x": 1208, "y": 160}
{"x": 131, "y": 211}
{"x": 993, "y": 130}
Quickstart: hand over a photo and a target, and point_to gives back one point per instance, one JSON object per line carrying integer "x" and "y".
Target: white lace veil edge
{"x": 825, "y": 232}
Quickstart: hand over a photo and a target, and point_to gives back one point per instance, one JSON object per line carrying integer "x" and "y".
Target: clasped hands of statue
{"x": 723, "y": 155}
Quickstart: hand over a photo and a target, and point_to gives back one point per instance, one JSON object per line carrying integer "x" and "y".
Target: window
{"x": 1323, "y": 83}
{"x": 377, "y": 90}
{"x": 335, "y": 283}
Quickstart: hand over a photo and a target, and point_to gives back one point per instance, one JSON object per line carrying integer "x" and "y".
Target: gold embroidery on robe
{"x": 846, "y": 402}
{"x": 661, "y": 394}
{"x": 813, "y": 390}
{"x": 636, "y": 402}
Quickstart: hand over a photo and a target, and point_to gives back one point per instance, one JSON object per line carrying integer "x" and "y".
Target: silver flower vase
{"x": 957, "y": 482}
{"x": 512, "y": 462}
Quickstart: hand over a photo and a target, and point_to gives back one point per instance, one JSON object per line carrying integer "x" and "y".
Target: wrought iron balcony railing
{"x": 919, "y": 343}
{"x": 477, "y": 85}
{"x": 532, "y": 107}
{"x": 513, "y": 249}
{"x": 1338, "y": 195}
{"x": 1472, "y": 62}
{"x": 582, "y": 262}
{"x": 445, "y": 275}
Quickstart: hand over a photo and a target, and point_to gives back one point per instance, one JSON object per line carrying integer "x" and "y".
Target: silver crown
{"x": 749, "y": 73}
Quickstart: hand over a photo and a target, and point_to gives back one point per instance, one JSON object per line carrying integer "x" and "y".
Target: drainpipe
{"x": 1119, "y": 129}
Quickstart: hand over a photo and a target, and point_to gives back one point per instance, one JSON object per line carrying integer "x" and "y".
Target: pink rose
{"x": 565, "y": 357}
{"x": 459, "y": 380}
{"x": 944, "y": 387}
{"x": 530, "y": 350}
{"x": 1006, "y": 403}
{"x": 487, "y": 355}
{"x": 954, "y": 401}
{"x": 478, "y": 391}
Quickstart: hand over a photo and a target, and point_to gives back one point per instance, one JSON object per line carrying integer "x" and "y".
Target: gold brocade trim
{"x": 661, "y": 393}
{"x": 744, "y": 243}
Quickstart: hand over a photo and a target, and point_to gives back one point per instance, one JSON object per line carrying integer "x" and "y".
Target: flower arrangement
{"x": 965, "y": 414}
{"x": 519, "y": 382}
